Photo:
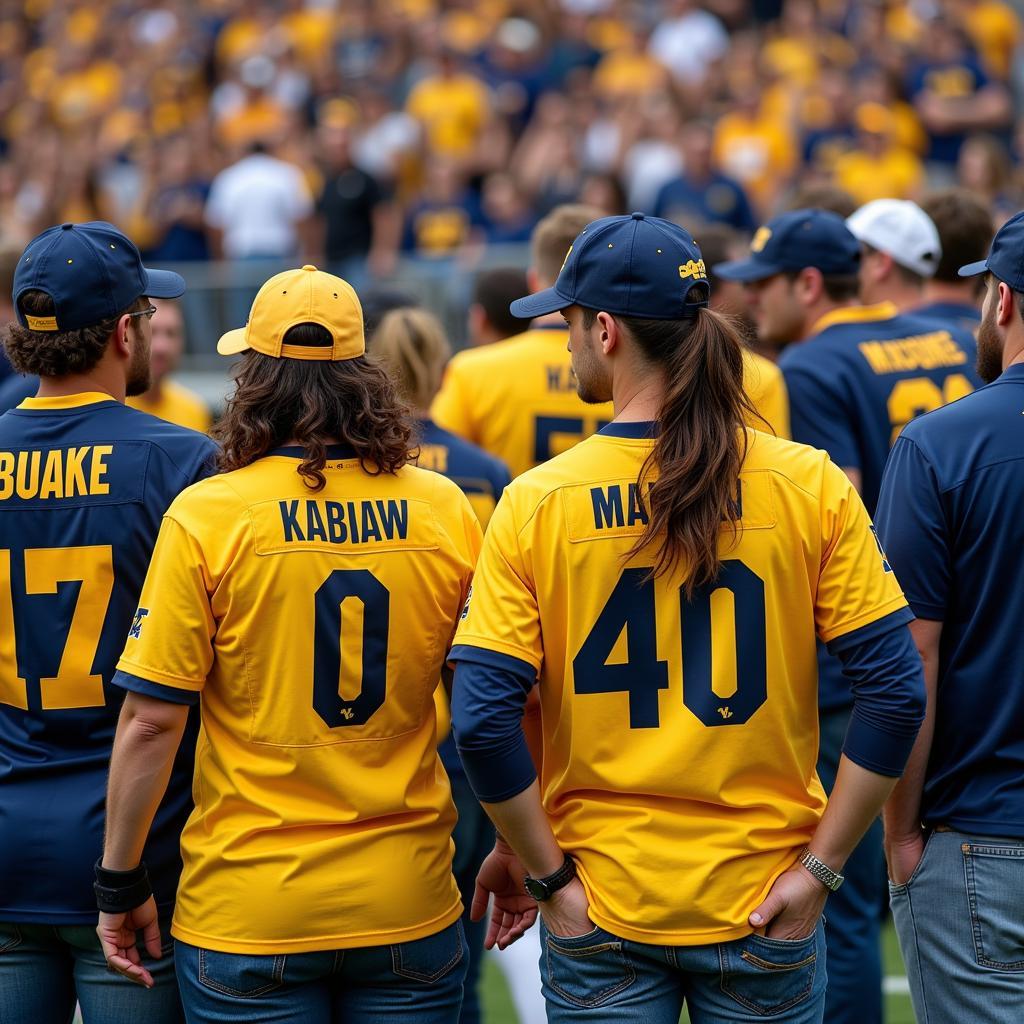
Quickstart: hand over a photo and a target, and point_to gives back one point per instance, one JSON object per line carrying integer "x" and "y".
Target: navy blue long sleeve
{"x": 488, "y": 697}
{"x": 887, "y": 680}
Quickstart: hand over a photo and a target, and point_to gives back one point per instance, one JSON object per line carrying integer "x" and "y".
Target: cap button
{"x": 67, "y": 227}
{"x": 638, "y": 216}
{"x": 309, "y": 266}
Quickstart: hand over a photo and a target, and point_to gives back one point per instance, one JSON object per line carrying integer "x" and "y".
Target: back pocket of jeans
{"x": 769, "y": 975}
{"x": 995, "y": 877}
{"x": 587, "y": 970}
{"x": 240, "y": 974}
{"x": 429, "y": 959}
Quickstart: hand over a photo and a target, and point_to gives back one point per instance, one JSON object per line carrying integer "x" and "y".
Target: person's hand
{"x": 792, "y": 907}
{"x": 117, "y": 939}
{"x": 902, "y": 855}
{"x": 513, "y": 913}
{"x": 566, "y": 914}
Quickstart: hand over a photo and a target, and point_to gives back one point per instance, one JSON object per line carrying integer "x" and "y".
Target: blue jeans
{"x": 418, "y": 982}
{"x": 854, "y": 913}
{"x": 960, "y": 924}
{"x": 602, "y": 979}
{"x": 45, "y": 969}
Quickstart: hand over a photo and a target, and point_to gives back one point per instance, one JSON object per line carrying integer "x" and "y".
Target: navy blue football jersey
{"x": 84, "y": 484}
{"x": 865, "y": 373}
{"x": 949, "y": 517}
{"x": 956, "y": 314}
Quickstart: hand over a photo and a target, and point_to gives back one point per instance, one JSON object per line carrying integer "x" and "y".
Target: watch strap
{"x": 550, "y": 884}
{"x": 821, "y": 871}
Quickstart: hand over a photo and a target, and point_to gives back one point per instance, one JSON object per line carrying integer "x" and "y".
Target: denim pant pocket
{"x": 768, "y": 976}
{"x": 994, "y": 873}
{"x": 429, "y": 959}
{"x": 241, "y": 975}
{"x": 10, "y": 936}
{"x": 587, "y": 970}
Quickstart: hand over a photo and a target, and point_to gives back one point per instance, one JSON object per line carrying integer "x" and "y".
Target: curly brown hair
{"x": 57, "y": 353}
{"x": 314, "y": 403}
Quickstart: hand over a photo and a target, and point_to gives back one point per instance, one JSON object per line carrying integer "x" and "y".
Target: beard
{"x": 590, "y": 385}
{"x": 990, "y": 350}
{"x": 139, "y": 378}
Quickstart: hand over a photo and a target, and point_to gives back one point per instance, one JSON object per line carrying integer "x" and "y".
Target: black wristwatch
{"x": 542, "y": 889}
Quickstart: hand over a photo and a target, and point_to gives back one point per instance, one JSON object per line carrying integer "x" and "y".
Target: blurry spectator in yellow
{"x": 876, "y": 84}
{"x": 453, "y": 107}
{"x": 629, "y": 71}
{"x": 489, "y": 317}
{"x": 254, "y": 114}
{"x": 754, "y": 148}
{"x": 994, "y": 29}
{"x": 878, "y": 168}
{"x": 165, "y": 397}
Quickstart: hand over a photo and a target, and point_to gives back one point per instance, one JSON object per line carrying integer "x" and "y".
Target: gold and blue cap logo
{"x": 636, "y": 266}
{"x": 793, "y": 241}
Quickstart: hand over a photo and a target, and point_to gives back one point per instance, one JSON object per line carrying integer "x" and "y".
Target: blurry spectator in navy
{"x": 702, "y": 194}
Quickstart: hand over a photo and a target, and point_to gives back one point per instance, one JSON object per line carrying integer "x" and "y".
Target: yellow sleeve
{"x": 452, "y": 408}
{"x": 856, "y": 585}
{"x": 766, "y": 388}
{"x": 171, "y": 641}
{"x": 501, "y": 613}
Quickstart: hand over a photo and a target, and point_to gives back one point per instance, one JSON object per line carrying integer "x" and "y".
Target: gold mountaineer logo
{"x": 760, "y": 240}
{"x": 693, "y": 268}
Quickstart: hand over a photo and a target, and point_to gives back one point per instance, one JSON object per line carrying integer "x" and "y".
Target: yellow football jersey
{"x": 315, "y": 625}
{"x": 766, "y": 389}
{"x": 176, "y": 404}
{"x": 517, "y": 398}
{"x": 680, "y": 737}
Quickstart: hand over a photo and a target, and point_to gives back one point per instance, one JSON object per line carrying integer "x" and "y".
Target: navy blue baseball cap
{"x": 793, "y": 241}
{"x": 1006, "y": 257}
{"x": 635, "y": 266}
{"x": 91, "y": 271}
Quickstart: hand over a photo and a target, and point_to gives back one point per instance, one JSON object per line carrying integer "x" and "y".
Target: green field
{"x": 498, "y": 1007}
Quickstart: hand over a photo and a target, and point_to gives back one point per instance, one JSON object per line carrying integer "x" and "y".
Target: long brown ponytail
{"x": 701, "y": 444}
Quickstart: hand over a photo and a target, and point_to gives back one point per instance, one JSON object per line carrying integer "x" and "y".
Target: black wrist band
{"x": 117, "y": 892}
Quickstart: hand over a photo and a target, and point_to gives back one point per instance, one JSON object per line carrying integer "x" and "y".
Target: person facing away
{"x": 411, "y": 345}
{"x": 166, "y": 398}
{"x": 84, "y": 482}
{"x": 964, "y": 224}
{"x": 855, "y": 375}
{"x": 305, "y": 598}
{"x": 662, "y": 583}
{"x": 954, "y": 827}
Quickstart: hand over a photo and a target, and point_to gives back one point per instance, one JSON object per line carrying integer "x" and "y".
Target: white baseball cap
{"x": 902, "y": 230}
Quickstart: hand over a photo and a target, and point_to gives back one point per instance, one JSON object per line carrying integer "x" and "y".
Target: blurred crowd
{"x": 351, "y": 133}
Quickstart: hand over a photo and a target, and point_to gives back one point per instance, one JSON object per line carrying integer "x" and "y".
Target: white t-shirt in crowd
{"x": 688, "y": 45}
{"x": 257, "y": 204}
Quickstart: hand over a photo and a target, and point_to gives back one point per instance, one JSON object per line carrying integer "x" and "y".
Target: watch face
{"x": 535, "y": 889}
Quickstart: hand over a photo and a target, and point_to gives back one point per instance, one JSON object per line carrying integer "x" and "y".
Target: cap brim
{"x": 746, "y": 270}
{"x": 539, "y": 304}
{"x": 973, "y": 269}
{"x": 164, "y": 284}
{"x": 232, "y": 343}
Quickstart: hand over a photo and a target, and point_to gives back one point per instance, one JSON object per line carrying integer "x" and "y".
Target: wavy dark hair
{"x": 314, "y": 403}
{"x": 57, "y": 353}
{"x": 688, "y": 483}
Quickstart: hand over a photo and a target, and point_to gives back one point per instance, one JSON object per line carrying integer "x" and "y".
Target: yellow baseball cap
{"x": 306, "y": 296}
